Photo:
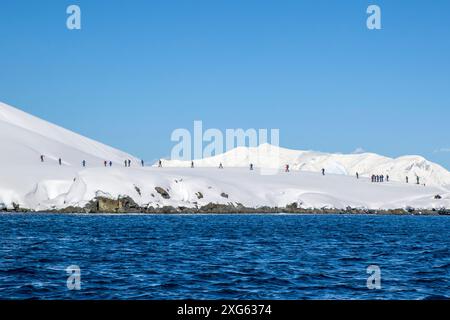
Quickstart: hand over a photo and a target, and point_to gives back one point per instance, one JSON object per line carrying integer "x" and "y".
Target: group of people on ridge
{"x": 43, "y": 157}
{"x": 417, "y": 179}
{"x": 127, "y": 162}
{"x": 379, "y": 178}
{"x": 221, "y": 166}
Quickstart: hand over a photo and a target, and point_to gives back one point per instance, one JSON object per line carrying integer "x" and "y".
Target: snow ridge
{"x": 32, "y": 184}
{"x": 365, "y": 164}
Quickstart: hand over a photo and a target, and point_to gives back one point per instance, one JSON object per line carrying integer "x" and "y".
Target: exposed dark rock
{"x": 199, "y": 195}
{"x": 162, "y": 192}
{"x": 168, "y": 209}
{"x": 127, "y": 204}
{"x": 224, "y": 195}
{"x": 292, "y": 206}
{"x": 410, "y": 209}
{"x": 107, "y": 205}
{"x": 216, "y": 208}
{"x": 437, "y": 197}
{"x": 138, "y": 190}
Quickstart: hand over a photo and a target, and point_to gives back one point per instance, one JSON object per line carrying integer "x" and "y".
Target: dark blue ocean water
{"x": 223, "y": 256}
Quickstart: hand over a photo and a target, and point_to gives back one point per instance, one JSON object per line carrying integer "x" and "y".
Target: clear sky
{"x": 137, "y": 70}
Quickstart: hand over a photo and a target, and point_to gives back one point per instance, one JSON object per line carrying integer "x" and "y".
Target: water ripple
{"x": 223, "y": 256}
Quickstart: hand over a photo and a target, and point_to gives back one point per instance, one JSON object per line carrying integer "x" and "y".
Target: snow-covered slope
{"x": 200, "y": 186}
{"x": 24, "y": 138}
{"x": 366, "y": 164}
{"x": 33, "y": 184}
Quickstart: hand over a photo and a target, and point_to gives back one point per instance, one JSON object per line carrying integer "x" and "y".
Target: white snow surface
{"x": 26, "y": 181}
{"x": 366, "y": 164}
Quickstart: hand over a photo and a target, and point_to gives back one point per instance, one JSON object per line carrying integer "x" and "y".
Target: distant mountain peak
{"x": 365, "y": 164}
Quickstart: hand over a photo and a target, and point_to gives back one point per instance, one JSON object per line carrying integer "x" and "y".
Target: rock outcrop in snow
{"x": 27, "y": 182}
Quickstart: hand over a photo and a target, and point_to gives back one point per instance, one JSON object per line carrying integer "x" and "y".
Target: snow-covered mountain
{"x": 24, "y": 138}
{"x": 32, "y": 184}
{"x": 366, "y": 164}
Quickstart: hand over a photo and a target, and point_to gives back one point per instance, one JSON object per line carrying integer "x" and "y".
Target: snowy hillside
{"x": 32, "y": 184}
{"x": 366, "y": 164}
{"x": 24, "y": 138}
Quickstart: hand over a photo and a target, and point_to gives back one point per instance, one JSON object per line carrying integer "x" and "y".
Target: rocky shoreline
{"x": 127, "y": 205}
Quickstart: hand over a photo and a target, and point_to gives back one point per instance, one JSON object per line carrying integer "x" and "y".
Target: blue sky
{"x": 137, "y": 70}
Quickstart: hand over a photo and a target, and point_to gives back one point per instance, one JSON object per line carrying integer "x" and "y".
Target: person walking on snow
{"x": 407, "y": 179}
{"x": 357, "y": 175}
{"x": 220, "y": 166}
{"x": 129, "y": 163}
{"x": 418, "y": 180}
{"x": 387, "y": 178}
{"x": 323, "y": 171}
{"x": 42, "y": 158}
{"x": 251, "y": 166}
{"x": 160, "y": 164}
{"x": 142, "y": 162}
{"x": 110, "y": 163}
{"x": 83, "y": 163}
{"x": 287, "y": 168}
{"x": 192, "y": 164}
{"x": 59, "y": 161}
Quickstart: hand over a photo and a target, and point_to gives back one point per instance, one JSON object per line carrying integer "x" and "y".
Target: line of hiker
{"x": 221, "y": 166}
{"x": 251, "y": 166}
{"x": 417, "y": 179}
{"x": 380, "y": 178}
{"x": 374, "y": 178}
{"x": 106, "y": 163}
{"x": 127, "y": 163}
